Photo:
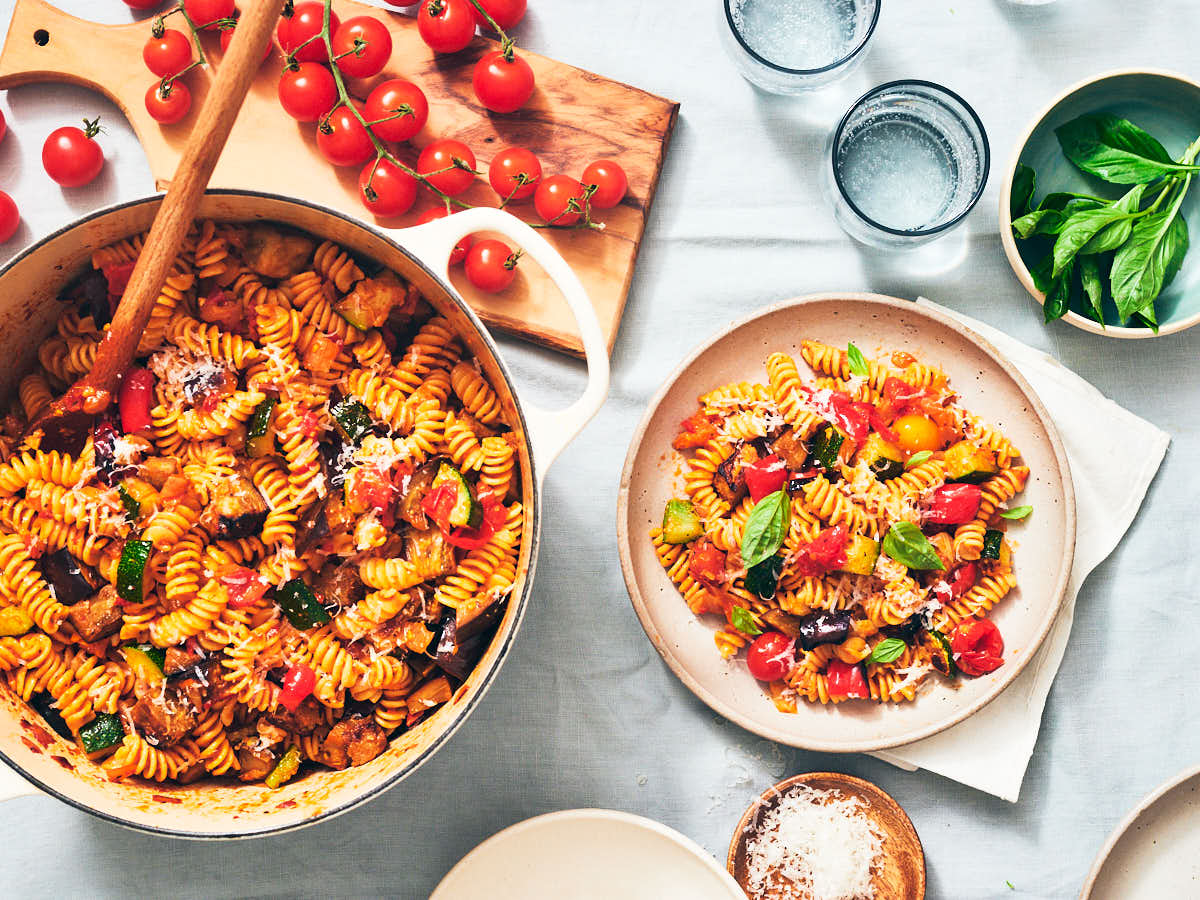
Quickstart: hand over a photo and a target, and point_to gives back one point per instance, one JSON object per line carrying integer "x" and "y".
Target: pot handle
{"x": 549, "y": 431}
{"x": 14, "y": 785}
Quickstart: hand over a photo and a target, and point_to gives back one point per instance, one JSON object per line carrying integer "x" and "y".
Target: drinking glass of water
{"x": 791, "y": 46}
{"x": 906, "y": 164}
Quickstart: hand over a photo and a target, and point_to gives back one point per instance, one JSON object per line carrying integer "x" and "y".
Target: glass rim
{"x": 983, "y": 178}
{"x": 858, "y": 48}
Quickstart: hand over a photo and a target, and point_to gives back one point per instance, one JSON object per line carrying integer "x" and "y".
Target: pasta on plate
{"x": 291, "y": 539}
{"x": 846, "y": 524}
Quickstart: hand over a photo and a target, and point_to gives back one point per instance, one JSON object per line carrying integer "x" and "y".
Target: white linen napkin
{"x": 1114, "y": 456}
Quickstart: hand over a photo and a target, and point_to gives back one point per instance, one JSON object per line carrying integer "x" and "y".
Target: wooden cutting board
{"x": 573, "y": 118}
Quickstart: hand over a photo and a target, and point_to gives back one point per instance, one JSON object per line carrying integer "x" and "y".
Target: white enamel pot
{"x": 37, "y": 759}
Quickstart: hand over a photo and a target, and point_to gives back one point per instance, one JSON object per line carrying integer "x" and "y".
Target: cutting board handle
{"x": 46, "y": 44}
{"x": 549, "y": 430}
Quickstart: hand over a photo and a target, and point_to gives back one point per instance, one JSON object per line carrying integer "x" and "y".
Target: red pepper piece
{"x": 954, "y": 504}
{"x": 245, "y": 586}
{"x": 846, "y": 680}
{"x": 766, "y": 476}
{"x": 298, "y": 683}
{"x": 135, "y": 399}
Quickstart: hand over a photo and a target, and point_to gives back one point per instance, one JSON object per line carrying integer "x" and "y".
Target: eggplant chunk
{"x": 72, "y": 580}
{"x": 477, "y": 615}
{"x": 429, "y": 552}
{"x": 276, "y": 253}
{"x": 823, "y": 628}
{"x": 413, "y": 491}
{"x": 239, "y": 507}
{"x": 353, "y": 741}
{"x": 256, "y": 763}
{"x": 165, "y": 715}
{"x": 784, "y": 622}
{"x": 791, "y": 450}
{"x": 99, "y": 617}
{"x": 730, "y": 479}
{"x": 457, "y": 656}
{"x": 338, "y": 584}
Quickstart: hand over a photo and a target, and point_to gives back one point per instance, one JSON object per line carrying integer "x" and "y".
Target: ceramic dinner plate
{"x": 1155, "y": 852}
{"x": 588, "y": 854}
{"x": 988, "y": 385}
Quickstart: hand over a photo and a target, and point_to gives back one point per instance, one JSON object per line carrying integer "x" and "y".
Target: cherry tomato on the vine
{"x": 346, "y": 143}
{"x": 169, "y": 107}
{"x": 503, "y": 85}
{"x": 492, "y": 266}
{"x": 610, "y": 181}
{"x": 227, "y": 36}
{"x": 369, "y": 59}
{"x": 305, "y": 23}
{"x": 394, "y": 189}
{"x": 553, "y": 198}
{"x": 447, "y": 154}
{"x": 204, "y": 13}
{"x": 169, "y": 54}
{"x": 771, "y": 656}
{"x": 515, "y": 173}
{"x": 446, "y": 26}
{"x": 71, "y": 157}
{"x": 507, "y": 13}
{"x": 397, "y": 95}
{"x": 462, "y": 248}
{"x": 10, "y": 217}
{"x": 308, "y": 92}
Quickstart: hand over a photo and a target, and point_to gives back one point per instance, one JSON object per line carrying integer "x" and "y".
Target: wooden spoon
{"x": 902, "y": 873}
{"x": 67, "y": 422}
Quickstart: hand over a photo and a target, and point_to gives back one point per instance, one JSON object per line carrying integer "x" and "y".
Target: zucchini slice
{"x": 300, "y": 605}
{"x": 133, "y": 571}
{"x": 351, "y": 418}
{"x": 884, "y": 460}
{"x": 861, "y": 555}
{"x": 992, "y": 541}
{"x": 133, "y": 506}
{"x": 102, "y": 732}
{"x": 14, "y": 622}
{"x": 467, "y": 512}
{"x": 287, "y": 766}
{"x": 827, "y": 446}
{"x": 681, "y": 522}
{"x": 940, "y": 653}
{"x": 260, "y": 436}
{"x": 966, "y": 462}
{"x": 146, "y": 662}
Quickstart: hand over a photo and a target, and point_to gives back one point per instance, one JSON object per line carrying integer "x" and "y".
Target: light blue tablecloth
{"x": 585, "y": 713}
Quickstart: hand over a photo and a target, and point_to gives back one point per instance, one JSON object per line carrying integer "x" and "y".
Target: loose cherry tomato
{"x": 71, "y": 157}
{"x": 10, "y": 217}
{"x": 507, "y": 13}
{"x": 610, "y": 182}
{"x": 346, "y": 143}
{"x": 766, "y": 476}
{"x": 439, "y": 503}
{"x": 169, "y": 54}
{"x": 977, "y": 647}
{"x": 515, "y": 173}
{"x": 492, "y": 266}
{"x": 372, "y": 56}
{"x": 171, "y": 106}
{"x": 826, "y": 552}
{"x": 503, "y": 85}
{"x": 298, "y": 683}
{"x": 846, "y": 680}
{"x": 771, "y": 657}
{"x": 707, "y": 563}
{"x": 553, "y": 200}
{"x": 401, "y": 99}
{"x": 446, "y": 26}
{"x": 915, "y": 433}
{"x": 227, "y": 38}
{"x": 962, "y": 579}
{"x": 204, "y": 13}
{"x": 394, "y": 190}
{"x": 134, "y": 400}
{"x": 450, "y": 156}
{"x": 305, "y": 23}
{"x": 246, "y": 587}
{"x": 954, "y": 504}
{"x": 308, "y": 92}
{"x": 462, "y": 248}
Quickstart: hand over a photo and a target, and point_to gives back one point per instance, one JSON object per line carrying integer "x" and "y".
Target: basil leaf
{"x": 1175, "y": 261}
{"x": 1058, "y": 298}
{"x": 1155, "y": 246}
{"x": 1017, "y": 512}
{"x": 1060, "y": 200}
{"x": 766, "y": 528}
{"x": 1080, "y": 229}
{"x": 906, "y": 545}
{"x": 740, "y": 618}
{"x": 1021, "y": 198}
{"x": 1093, "y": 288}
{"x": 1040, "y": 273}
{"x": 1116, "y": 150}
{"x": 886, "y": 651}
{"x": 858, "y": 364}
{"x": 1112, "y": 236}
{"x": 917, "y": 458}
{"x": 1032, "y": 223}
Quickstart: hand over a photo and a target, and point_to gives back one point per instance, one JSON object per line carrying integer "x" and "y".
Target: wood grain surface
{"x": 573, "y": 118}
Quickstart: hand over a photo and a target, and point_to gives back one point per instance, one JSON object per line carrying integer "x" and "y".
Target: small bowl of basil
{"x": 1101, "y": 195}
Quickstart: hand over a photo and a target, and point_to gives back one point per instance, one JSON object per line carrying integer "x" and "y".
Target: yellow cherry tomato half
{"x": 915, "y": 433}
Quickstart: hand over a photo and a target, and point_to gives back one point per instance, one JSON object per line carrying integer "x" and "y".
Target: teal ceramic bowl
{"x": 1163, "y": 103}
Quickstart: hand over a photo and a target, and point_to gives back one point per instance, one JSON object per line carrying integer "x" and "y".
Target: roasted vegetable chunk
{"x": 275, "y": 253}
{"x": 730, "y": 479}
{"x": 239, "y": 508}
{"x": 99, "y": 617}
{"x": 353, "y": 741}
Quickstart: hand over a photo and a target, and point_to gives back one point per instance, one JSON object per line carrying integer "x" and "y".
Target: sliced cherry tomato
{"x": 446, "y": 26}
{"x": 393, "y": 190}
{"x": 462, "y": 248}
{"x": 766, "y": 476}
{"x": 343, "y": 140}
{"x": 305, "y": 23}
{"x": 298, "y": 683}
{"x": 915, "y": 433}
{"x": 365, "y": 59}
{"x": 954, "y": 504}
{"x": 10, "y": 217}
{"x": 492, "y": 266}
{"x": 169, "y": 106}
{"x": 307, "y": 92}
{"x": 707, "y": 562}
{"x": 515, "y": 173}
{"x": 506, "y": 13}
{"x": 610, "y": 182}
{"x": 246, "y": 587}
{"x": 826, "y": 553}
{"x": 70, "y": 155}
{"x": 117, "y": 276}
{"x": 771, "y": 656}
{"x": 553, "y": 200}
{"x": 227, "y": 38}
{"x": 134, "y": 400}
{"x": 397, "y": 109}
{"x": 369, "y": 487}
{"x": 169, "y": 54}
{"x": 204, "y": 13}
{"x": 846, "y": 680}
{"x": 503, "y": 85}
{"x": 696, "y": 431}
{"x": 494, "y": 517}
{"x": 448, "y": 165}
{"x": 962, "y": 579}
{"x": 439, "y": 503}
{"x": 977, "y": 647}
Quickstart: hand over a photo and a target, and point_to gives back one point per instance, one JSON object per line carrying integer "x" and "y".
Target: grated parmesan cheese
{"x": 813, "y": 845}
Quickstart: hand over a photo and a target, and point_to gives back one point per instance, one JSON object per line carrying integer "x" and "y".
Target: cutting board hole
{"x": 41, "y": 37}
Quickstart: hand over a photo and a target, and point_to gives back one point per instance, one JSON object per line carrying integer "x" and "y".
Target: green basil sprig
{"x": 906, "y": 545}
{"x": 917, "y": 458}
{"x": 1116, "y": 150}
{"x": 1017, "y": 512}
{"x": 741, "y": 619}
{"x": 887, "y": 650}
{"x": 856, "y": 360}
{"x": 766, "y": 528}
